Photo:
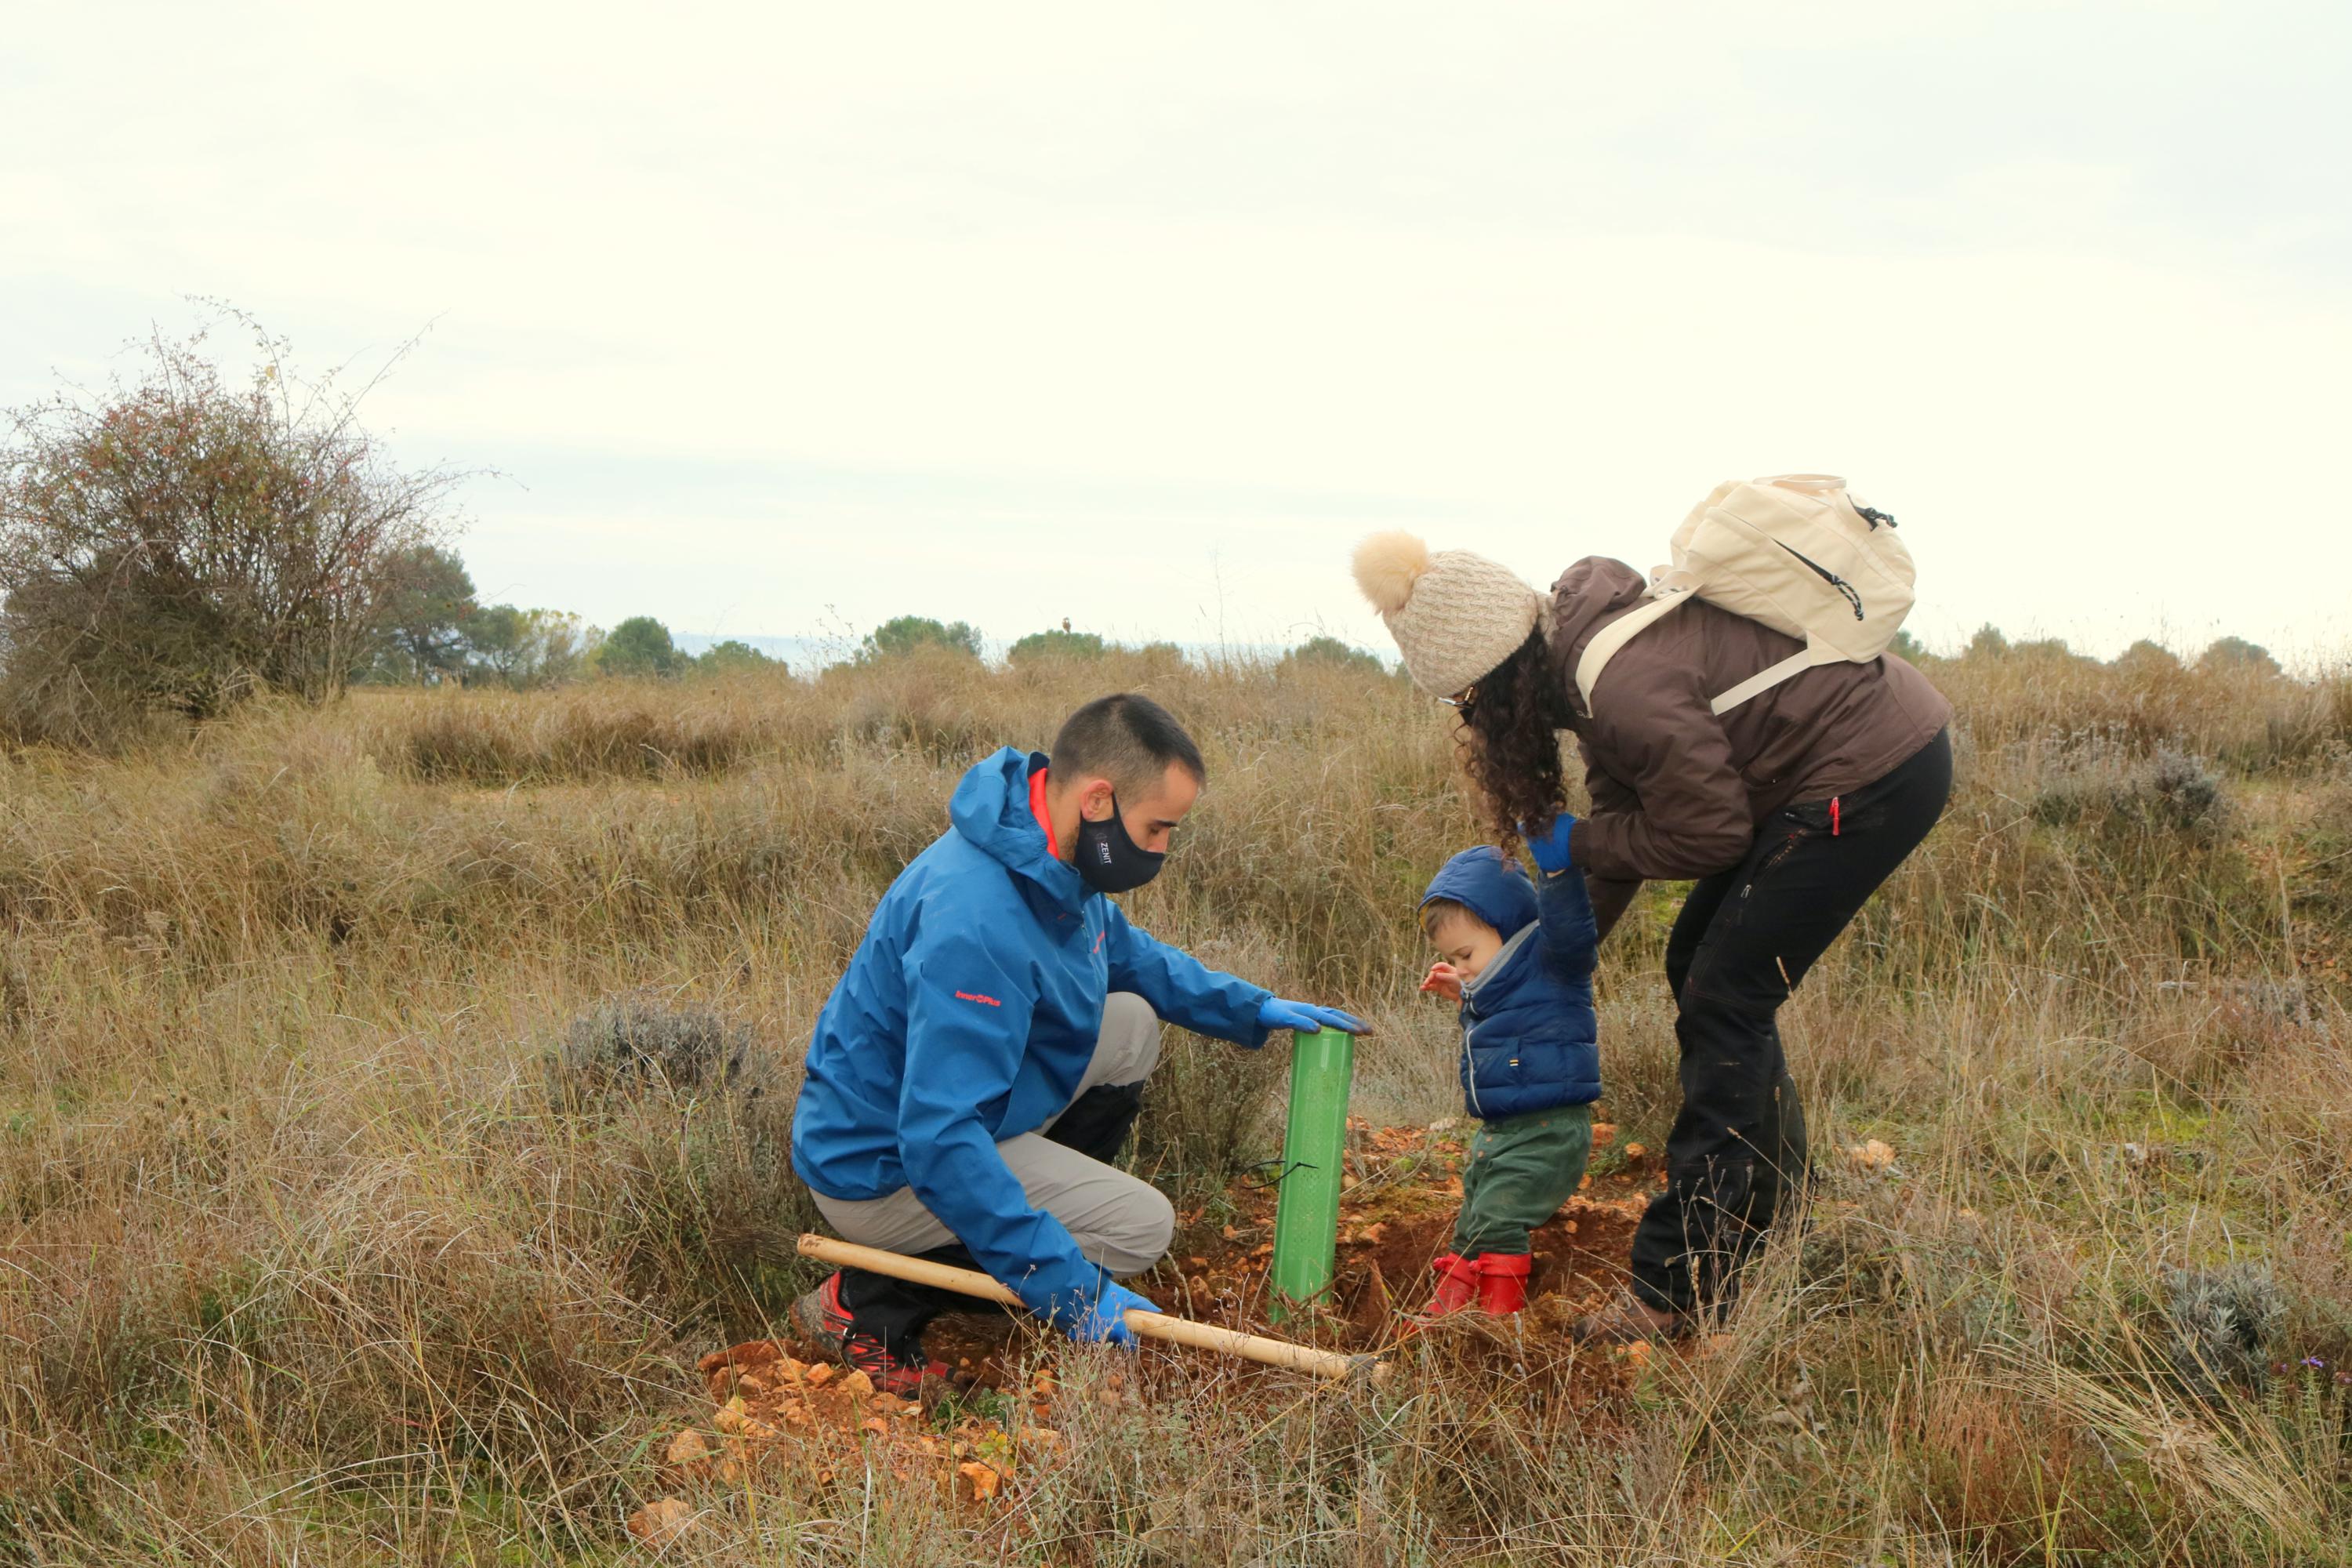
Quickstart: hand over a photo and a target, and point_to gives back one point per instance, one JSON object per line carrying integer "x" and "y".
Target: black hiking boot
{"x": 826, "y": 1324}
{"x": 821, "y": 1319}
{"x": 1627, "y": 1320}
{"x": 918, "y": 1378}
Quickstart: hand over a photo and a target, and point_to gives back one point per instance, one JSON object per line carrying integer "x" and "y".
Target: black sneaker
{"x": 821, "y": 1319}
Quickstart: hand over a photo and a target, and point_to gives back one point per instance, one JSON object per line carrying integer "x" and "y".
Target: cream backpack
{"x": 1795, "y": 551}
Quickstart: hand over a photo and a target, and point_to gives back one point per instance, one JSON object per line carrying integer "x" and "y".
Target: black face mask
{"x": 1111, "y": 860}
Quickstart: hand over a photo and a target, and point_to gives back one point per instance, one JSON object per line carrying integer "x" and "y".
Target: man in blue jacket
{"x": 978, "y": 1068}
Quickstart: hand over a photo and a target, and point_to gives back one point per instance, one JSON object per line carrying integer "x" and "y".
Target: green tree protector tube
{"x": 1307, "y": 1205}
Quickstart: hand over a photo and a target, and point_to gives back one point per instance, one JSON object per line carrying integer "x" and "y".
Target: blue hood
{"x": 1489, "y": 884}
{"x": 991, "y": 809}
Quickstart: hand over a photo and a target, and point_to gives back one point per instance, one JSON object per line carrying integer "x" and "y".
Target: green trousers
{"x": 1521, "y": 1170}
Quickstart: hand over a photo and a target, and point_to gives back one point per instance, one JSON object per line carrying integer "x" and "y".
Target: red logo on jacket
{"x": 976, "y": 997}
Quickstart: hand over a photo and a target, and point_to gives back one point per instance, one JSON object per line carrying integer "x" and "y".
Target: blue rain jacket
{"x": 1530, "y": 1040}
{"x": 967, "y": 1017}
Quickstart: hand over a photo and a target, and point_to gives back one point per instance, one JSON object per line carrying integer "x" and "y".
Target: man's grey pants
{"x": 1122, "y": 1224}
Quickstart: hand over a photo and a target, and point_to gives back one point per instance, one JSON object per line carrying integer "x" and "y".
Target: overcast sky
{"x": 784, "y": 319}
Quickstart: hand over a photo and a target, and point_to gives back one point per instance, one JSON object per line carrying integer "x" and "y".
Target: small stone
{"x": 1605, "y": 1133}
{"x": 983, "y": 1479}
{"x": 820, "y": 1375}
{"x": 659, "y": 1524}
{"x": 857, "y": 1385}
{"x": 1634, "y": 1151}
{"x": 1374, "y": 1232}
{"x": 758, "y": 1352}
{"x": 687, "y": 1448}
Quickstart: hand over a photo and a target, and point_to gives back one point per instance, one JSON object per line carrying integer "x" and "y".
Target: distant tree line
{"x": 1989, "y": 642}
{"x": 433, "y": 631}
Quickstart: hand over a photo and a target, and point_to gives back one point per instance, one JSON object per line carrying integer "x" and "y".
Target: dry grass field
{"x": 338, "y": 1224}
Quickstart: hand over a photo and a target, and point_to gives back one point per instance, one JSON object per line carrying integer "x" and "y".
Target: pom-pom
{"x": 1387, "y": 566}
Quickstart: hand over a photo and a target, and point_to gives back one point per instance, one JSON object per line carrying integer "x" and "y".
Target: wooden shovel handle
{"x": 1145, "y": 1325}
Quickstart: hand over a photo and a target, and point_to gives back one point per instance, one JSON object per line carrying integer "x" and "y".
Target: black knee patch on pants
{"x": 1097, "y": 1122}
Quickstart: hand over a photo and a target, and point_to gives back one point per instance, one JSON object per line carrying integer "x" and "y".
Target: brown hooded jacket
{"x": 1678, "y": 791}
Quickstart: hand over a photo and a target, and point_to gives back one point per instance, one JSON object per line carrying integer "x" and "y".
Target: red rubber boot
{"x": 1502, "y": 1281}
{"x": 1457, "y": 1285}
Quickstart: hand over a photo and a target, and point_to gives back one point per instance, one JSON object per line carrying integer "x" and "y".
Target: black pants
{"x": 1736, "y": 1155}
{"x": 896, "y": 1311}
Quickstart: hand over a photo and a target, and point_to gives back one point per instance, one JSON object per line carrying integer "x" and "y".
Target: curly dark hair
{"x": 1509, "y": 740}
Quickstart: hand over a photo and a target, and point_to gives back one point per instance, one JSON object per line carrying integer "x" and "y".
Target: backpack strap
{"x": 1616, "y": 635}
{"x": 1764, "y": 680}
{"x": 1622, "y": 630}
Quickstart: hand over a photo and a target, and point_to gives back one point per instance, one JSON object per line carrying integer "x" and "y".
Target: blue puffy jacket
{"x": 967, "y": 1017}
{"x": 1530, "y": 1040}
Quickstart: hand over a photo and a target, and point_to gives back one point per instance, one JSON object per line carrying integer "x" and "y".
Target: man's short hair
{"x": 1127, "y": 739}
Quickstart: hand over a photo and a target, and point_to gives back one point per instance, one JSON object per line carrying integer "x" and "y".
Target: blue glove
{"x": 1551, "y": 847}
{"x": 1274, "y": 1013}
{"x": 1105, "y": 1322}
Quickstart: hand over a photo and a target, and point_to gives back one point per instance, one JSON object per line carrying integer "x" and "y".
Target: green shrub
{"x": 2222, "y": 1325}
{"x": 1328, "y": 652}
{"x": 905, "y": 633}
{"x": 1062, "y": 643}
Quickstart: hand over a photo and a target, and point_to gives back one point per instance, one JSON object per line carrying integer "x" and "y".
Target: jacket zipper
{"x": 1470, "y": 1069}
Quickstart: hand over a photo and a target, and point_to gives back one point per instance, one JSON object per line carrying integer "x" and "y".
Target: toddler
{"x": 1518, "y": 958}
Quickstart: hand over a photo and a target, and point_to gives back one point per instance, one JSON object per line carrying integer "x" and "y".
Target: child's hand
{"x": 1445, "y": 980}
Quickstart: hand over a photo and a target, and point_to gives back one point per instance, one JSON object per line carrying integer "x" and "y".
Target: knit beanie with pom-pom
{"x": 1455, "y": 615}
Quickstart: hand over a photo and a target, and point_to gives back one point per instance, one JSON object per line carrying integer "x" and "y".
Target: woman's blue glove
{"x": 1551, "y": 847}
{"x": 1105, "y": 1322}
{"x": 1274, "y": 1013}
